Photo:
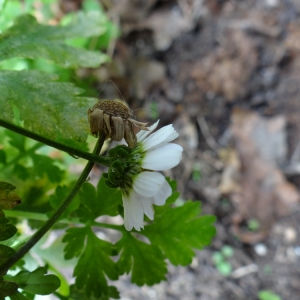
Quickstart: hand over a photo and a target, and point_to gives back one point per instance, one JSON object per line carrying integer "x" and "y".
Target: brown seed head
{"x": 113, "y": 118}
{"x": 114, "y": 108}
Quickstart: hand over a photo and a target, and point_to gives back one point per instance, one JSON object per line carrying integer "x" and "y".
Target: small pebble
{"x": 152, "y": 294}
{"x": 194, "y": 263}
{"x": 260, "y": 249}
{"x": 290, "y": 235}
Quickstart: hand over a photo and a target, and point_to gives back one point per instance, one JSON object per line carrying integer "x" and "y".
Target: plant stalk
{"x": 56, "y": 215}
{"x": 66, "y": 148}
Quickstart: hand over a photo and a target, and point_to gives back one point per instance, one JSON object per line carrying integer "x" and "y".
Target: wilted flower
{"x": 114, "y": 118}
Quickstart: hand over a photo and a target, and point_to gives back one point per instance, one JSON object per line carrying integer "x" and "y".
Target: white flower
{"x": 149, "y": 187}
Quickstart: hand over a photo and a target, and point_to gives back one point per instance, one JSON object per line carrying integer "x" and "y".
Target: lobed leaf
{"x": 75, "y": 239}
{"x": 147, "y": 262}
{"x": 179, "y": 231}
{"x": 29, "y": 39}
{"x": 61, "y": 193}
{"x": 16, "y": 140}
{"x": 18, "y": 296}
{"x": 36, "y": 282}
{"x": 75, "y": 293}
{"x": 8, "y": 199}
{"x": 6, "y": 230}
{"x": 41, "y": 164}
{"x": 45, "y": 165}
{"x": 7, "y": 288}
{"x": 47, "y": 107}
{"x": 93, "y": 265}
{"x": 2, "y": 156}
{"x": 5, "y": 253}
{"x": 103, "y": 201}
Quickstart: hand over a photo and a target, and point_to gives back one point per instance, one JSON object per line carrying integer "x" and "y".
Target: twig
{"x": 242, "y": 271}
{"x": 207, "y": 135}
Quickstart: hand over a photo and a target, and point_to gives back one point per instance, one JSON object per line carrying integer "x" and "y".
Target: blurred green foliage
{"x": 41, "y": 59}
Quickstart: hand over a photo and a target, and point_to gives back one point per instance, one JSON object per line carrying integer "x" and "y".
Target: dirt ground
{"x": 227, "y": 75}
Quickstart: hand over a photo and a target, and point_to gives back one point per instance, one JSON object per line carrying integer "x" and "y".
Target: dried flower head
{"x": 114, "y": 118}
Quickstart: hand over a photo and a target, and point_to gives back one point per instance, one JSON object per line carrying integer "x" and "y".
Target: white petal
{"x": 148, "y": 207}
{"x": 147, "y": 184}
{"x": 163, "y": 194}
{"x": 163, "y": 158}
{"x": 133, "y": 212}
{"x": 162, "y": 136}
{"x": 142, "y": 134}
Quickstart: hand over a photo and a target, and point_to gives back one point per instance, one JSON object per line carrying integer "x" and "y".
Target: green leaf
{"x": 18, "y": 296}
{"x": 27, "y": 38}
{"x": 268, "y": 295}
{"x": 180, "y": 230}
{"x": 77, "y": 294}
{"x": 104, "y": 201}
{"x": 47, "y": 107}
{"x": 21, "y": 172}
{"x": 147, "y": 262}
{"x": 6, "y": 230}
{"x": 45, "y": 165}
{"x": 16, "y": 140}
{"x": 93, "y": 265}
{"x": 5, "y": 253}
{"x": 36, "y": 282}
{"x": 75, "y": 239}
{"x": 7, "y": 288}
{"x": 2, "y": 156}
{"x": 60, "y": 194}
{"x": 8, "y": 199}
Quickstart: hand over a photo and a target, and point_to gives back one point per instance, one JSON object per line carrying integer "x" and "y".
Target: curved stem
{"x": 66, "y": 148}
{"x": 40, "y": 233}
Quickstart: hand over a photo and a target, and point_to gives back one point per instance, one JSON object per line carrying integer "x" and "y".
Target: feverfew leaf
{"x": 104, "y": 201}
{"x": 147, "y": 262}
{"x": 2, "y": 156}
{"x": 18, "y": 296}
{"x": 36, "y": 282}
{"x": 8, "y": 199}
{"x": 180, "y": 230}
{"x": 16, "y": 140}
{"x": 26, "y": 38}
{"x": 47, "y": 107}
{"x": 45, "y": 165}
{"x": 93, "y": 265}
{"x": 80, "y": 294}
{"x": 75, "y": 238}
{"x": 6, "y": 230}
{"x": 7, "y": 288}
{"x": 61, "y": 193}
{"x": 5, "y": 253}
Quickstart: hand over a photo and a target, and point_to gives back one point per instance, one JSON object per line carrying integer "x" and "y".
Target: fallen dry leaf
{"x": 227, "y": 70}
{"x": 257, "y": 187}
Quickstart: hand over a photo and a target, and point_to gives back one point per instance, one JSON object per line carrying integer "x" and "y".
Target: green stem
{"x": 41, "y": 232}
{"x": 43, "y": 217}
{"x": 66, "y": 148}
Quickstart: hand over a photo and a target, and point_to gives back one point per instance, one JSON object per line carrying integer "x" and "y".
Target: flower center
{"x": 125, "y": 165}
